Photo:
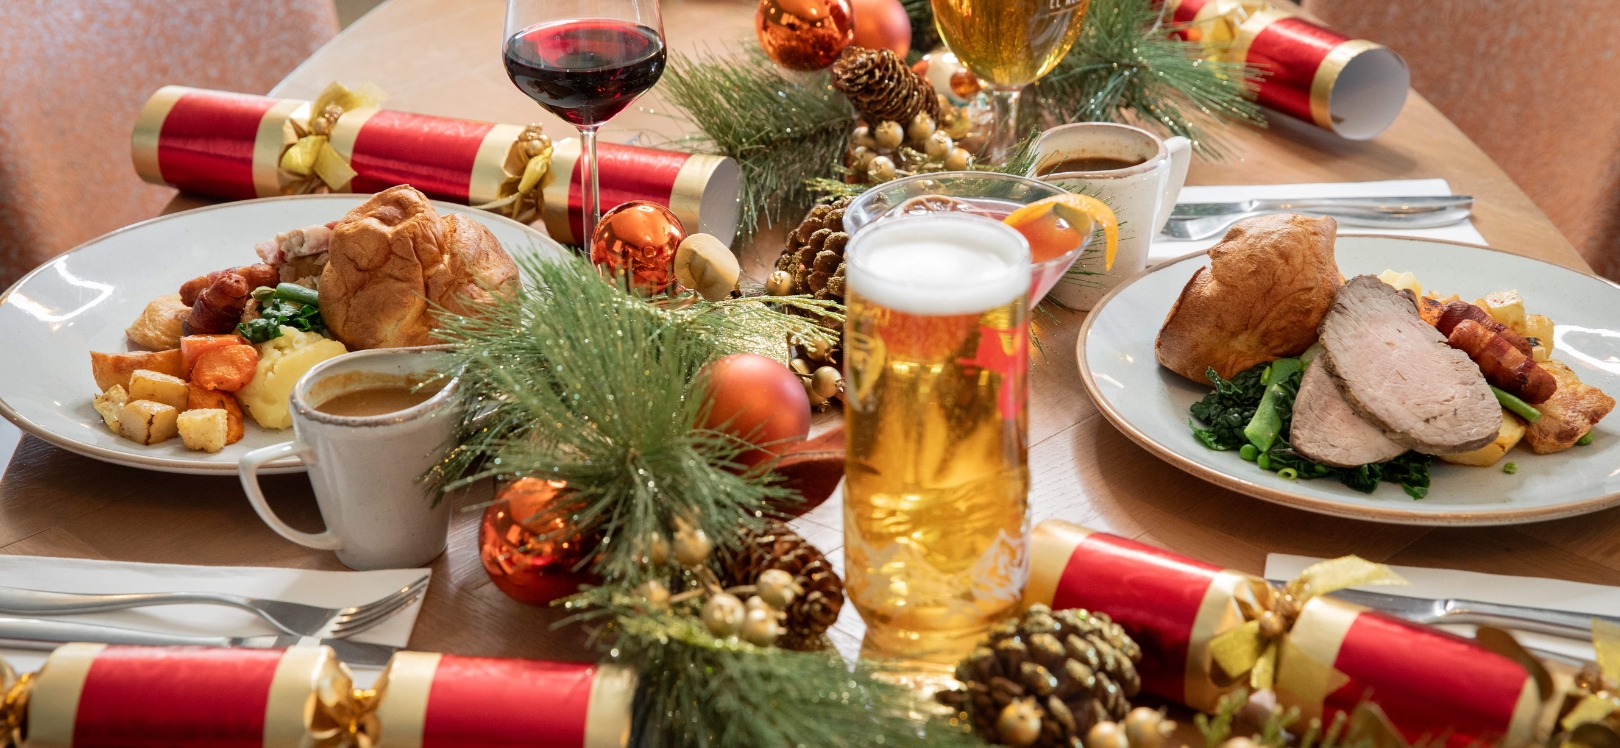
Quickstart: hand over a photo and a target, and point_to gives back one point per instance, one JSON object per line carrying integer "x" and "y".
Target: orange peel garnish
{"x": 1038, "y": 222}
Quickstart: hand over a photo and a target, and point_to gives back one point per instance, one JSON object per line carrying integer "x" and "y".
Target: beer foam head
{"x": 938, "y": 264}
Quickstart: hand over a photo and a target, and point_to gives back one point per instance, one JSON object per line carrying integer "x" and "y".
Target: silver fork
{"x": 293, "y": 618}
{"x": 1204, "y": 220}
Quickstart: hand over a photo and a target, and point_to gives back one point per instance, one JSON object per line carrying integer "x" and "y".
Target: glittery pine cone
{"x": 1076, "y": 668}
{"x": 813, "y": 610}
{"x": 881, "y": 87}
{"x": 815, "y": 253}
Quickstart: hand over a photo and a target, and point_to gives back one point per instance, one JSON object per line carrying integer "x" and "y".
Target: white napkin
{"x": 1165, "y": 249}
{"x": 1555, "y": 594}
{"x": 327, "y": 589}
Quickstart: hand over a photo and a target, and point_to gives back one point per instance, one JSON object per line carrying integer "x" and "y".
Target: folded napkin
{"x": 1555, "y": 594}
{"x": 1164, "y": 248}
{"x": 327, "y": 589}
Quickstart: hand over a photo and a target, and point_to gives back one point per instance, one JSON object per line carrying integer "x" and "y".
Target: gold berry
{"x": 816, "y": 348}
{"x": 889, "y": 136}
{"x": 800, "y": 367}
{"x": 862, "y": 138}
{"x": 655, "y": 593}
{"x": 1106, "y": 735}
{"x": 939, "y": 146}
{"x": 760, "y": 625}
{"x": 780, "y": 283}
{"x": 776, "y": 588}
{"x": 826, "y": 381}
{"x": 1019, "y": 723}
{"x": 920, "y": 127}
{"x": 692, "y": 546}
{"x": 723, "y": 615}
{"x": 881, "y": 169}
{"x": 1147, "y": 728}
{"x": 958, "y": 160}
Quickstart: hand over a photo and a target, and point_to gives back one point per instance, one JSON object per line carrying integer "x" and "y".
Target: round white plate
{"x": 81, "y": 301}
{"x": 1149, "y": 403}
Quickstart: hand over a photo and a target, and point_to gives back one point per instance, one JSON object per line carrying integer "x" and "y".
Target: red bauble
{"x": 882, "y": 24}
{"x": 521, "y": 564}
{"x": 639, "y": 237}
{"x": 804, "y": 35}
{"x": 756, "y": 398}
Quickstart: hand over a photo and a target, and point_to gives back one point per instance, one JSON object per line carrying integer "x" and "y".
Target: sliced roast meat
{"x": 1326, "y": 429}
{"x": 1399, "y": 374}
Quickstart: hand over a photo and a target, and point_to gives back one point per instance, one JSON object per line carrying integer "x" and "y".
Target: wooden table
{"x": 442, "y": 57}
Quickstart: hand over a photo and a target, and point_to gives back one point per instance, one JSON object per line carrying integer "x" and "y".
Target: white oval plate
{"x": 81, "y": 301}
{"x": 1149, "y": 403}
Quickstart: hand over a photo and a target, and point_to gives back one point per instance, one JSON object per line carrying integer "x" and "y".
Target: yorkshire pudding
{"x": 1268, "y": 284}
{"x": 394, "y": 259}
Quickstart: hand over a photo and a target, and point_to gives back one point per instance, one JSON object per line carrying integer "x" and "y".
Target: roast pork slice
{"x": 1399, "y": 374}
{"x": 1326, "y": 429}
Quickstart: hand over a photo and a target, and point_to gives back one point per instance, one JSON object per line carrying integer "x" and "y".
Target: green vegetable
{"x": 1519, "y": 407}
{"x": 1311, "y": 353}
{"x": 1228, "y": 409}
{"x": 1276, "y": 405}
{"x": 1288, "y": 474}
{"x": 278, "y": 308}
{"x": 1248, "y": 452}
{"x": 1585, "y": 440}
{"x": 1510, "y": 468}
{"x": 301, "y": 294}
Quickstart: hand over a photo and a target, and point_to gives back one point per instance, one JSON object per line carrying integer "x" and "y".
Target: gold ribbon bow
{"x": 344, "y": 716}
{"x": 13, "y": 704}
{"x": 1261, "y": 647}
{"x": 1595, "y": 718}
{"x": 312, "y": 163}
{"x": 1226, "y": 27}
{"x": 527, "y": 164}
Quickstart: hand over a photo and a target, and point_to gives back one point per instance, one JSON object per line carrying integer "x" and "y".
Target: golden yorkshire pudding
{"x": 394, "y": 257}
{"x": 1268, "y": 284}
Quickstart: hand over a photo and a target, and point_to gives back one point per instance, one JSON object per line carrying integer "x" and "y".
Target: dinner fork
{"x": 292, "y": 618}
{"x": 1204, "y": 220}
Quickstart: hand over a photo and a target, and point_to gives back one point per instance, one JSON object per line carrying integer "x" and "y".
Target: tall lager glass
{"x": 936, "y": 474}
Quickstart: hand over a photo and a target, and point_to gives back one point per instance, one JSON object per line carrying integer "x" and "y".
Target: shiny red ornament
{"x": 639, "y": 237}
{"x": 528, "y": 559}
{"x": 882, "y": 24}
{"x": 758, "y": 399}
{"x": 804, "y": 34}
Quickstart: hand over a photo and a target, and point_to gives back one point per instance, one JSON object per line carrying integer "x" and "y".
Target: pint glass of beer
{"x": 936, "y": 475}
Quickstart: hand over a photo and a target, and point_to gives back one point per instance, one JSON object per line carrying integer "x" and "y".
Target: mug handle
{"x": 1180, "y": 158}
{"x": 248, "y": 471}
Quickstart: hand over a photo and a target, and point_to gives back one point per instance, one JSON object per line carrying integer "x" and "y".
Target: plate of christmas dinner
{"x": 1382, "y": 378}
{"x": 172, "y": 344}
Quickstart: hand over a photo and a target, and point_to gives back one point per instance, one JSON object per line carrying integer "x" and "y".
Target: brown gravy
{"x": 377, "y": 400}
{"x": 1087, "y": 163}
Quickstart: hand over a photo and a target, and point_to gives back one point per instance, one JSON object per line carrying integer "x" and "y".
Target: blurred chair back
{"x": 73, "y": 76}
{"x": 1534, "y": 83}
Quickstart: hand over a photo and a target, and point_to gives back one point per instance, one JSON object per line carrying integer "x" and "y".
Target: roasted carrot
{"x": 192, "y": 346}
{"x": 227, "y": 368}
{"x": 199, "y": 398}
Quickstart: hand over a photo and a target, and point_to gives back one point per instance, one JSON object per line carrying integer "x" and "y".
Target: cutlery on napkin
{"x": 1205, "y": 220}
{"x": 45, "y": 635}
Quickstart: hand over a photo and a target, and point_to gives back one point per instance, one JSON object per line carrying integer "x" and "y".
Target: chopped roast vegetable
{"x": 1276, "y": 405}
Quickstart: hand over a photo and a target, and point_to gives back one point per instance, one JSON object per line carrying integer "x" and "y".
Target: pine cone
{"x": 1079, "y": 668}
{"x": 881, "y": 87}
{"x": 815, "y": 252}
{"x": 815, "y": 609}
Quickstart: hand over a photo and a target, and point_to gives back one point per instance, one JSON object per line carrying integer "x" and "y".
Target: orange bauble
{"x": 526, "y": 567}
{"x": 758, "y": 399}
{"x": 640, "y": 238}
{"x": 804, "y": 34}
{"x": 882, "y": 24}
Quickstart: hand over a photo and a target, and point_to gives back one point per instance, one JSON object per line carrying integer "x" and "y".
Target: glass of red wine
{"x": 585, "y": 60}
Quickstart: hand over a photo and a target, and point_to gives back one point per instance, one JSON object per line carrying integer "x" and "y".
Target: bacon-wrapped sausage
{"x": 1501, "y": 363}
{"x": 1457, "y": 311}
{"x": 218, "y": 308}
{"x": 256, "y": 276}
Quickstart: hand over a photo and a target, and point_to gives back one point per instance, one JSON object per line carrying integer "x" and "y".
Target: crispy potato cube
{"x": 116, "y": 368}
{"x": 203, "y": 429}
{"x": 1540, "y": 352}
{"x": 146, "y": 384}
{"x": 1540, "y": 327}
{"x": 203, "y": 398}
{"x": 110, "y": 403}
{"x": 148, "y": 422}
{"x": 1506, "y": 307}
{"x": 1512, "y": 431}
{"x": 1402, "y": 281}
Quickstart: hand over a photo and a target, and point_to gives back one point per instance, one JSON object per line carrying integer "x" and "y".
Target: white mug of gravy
{"x": 1130, "y": 169}
{"x": 368, "y": 425}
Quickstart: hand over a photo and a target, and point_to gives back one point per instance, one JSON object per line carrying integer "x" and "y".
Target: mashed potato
{"x": 281, "y": 362}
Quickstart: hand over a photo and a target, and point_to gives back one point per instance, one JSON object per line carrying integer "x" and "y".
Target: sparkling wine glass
{"x": 585, "y": 60}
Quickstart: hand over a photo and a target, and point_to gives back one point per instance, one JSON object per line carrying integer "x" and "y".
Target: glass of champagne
{"x": 936, "y": 473}
{"x": 1009, "y": 44}
{"x": 585, "y": 60}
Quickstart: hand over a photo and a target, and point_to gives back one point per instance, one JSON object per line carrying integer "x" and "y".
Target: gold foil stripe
{"x": 53, "y": 707}
{"x": 555, "y": 188}
{"x": 290, "y": 705}
{"x": 346, "y": 131}
{"x": 405, "y": 686}
{"x": 607, "y": 718}
{"x": 1327, "y": 76}
{"x": 1228, "y": 602}
{"x": 143, "y": 142}
{"x": 268, "y": 143}
{"x": 686, "y": 194}
{"x": 1320, "y": 630}
{"x": 1051, "y": 544}
{"x": 489, "y": 166}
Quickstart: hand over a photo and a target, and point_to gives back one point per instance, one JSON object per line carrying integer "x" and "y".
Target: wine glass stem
{"x": 1004, "y": 134}
{"x": 590, "y": 194}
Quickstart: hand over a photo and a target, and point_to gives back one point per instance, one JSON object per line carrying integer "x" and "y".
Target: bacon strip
{"x": 1457, "y": 311}
{"x": 1501, "y": 363}
{"x": 218, "y": 308}
{"x": 254, "y": 275}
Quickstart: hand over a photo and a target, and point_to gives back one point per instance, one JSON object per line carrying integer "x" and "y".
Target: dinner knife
{"x": 1392, "y": 206}
{"x": 43, "y": 633}
{"x": 1560, "y": 623}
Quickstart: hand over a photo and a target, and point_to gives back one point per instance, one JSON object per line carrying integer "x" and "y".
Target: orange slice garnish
{"x": 1048, "y": 239}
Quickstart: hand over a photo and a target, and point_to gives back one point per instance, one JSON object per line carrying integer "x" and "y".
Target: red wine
{"x": 585, "y": 70}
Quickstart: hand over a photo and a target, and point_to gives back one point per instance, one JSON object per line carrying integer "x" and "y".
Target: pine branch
{"x": 924, "y": 35}
{"x": 779, "y": 130}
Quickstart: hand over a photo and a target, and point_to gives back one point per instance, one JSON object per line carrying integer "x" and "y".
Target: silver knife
{"x": 42, "y": 633}
{"x": 1330, "y": 205}
{"x": 1560, "y": 623}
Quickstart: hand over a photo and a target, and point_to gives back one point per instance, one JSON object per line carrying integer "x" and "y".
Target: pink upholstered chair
{"x": 1534, "y": 83}
{"x": 73, "y": 76}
